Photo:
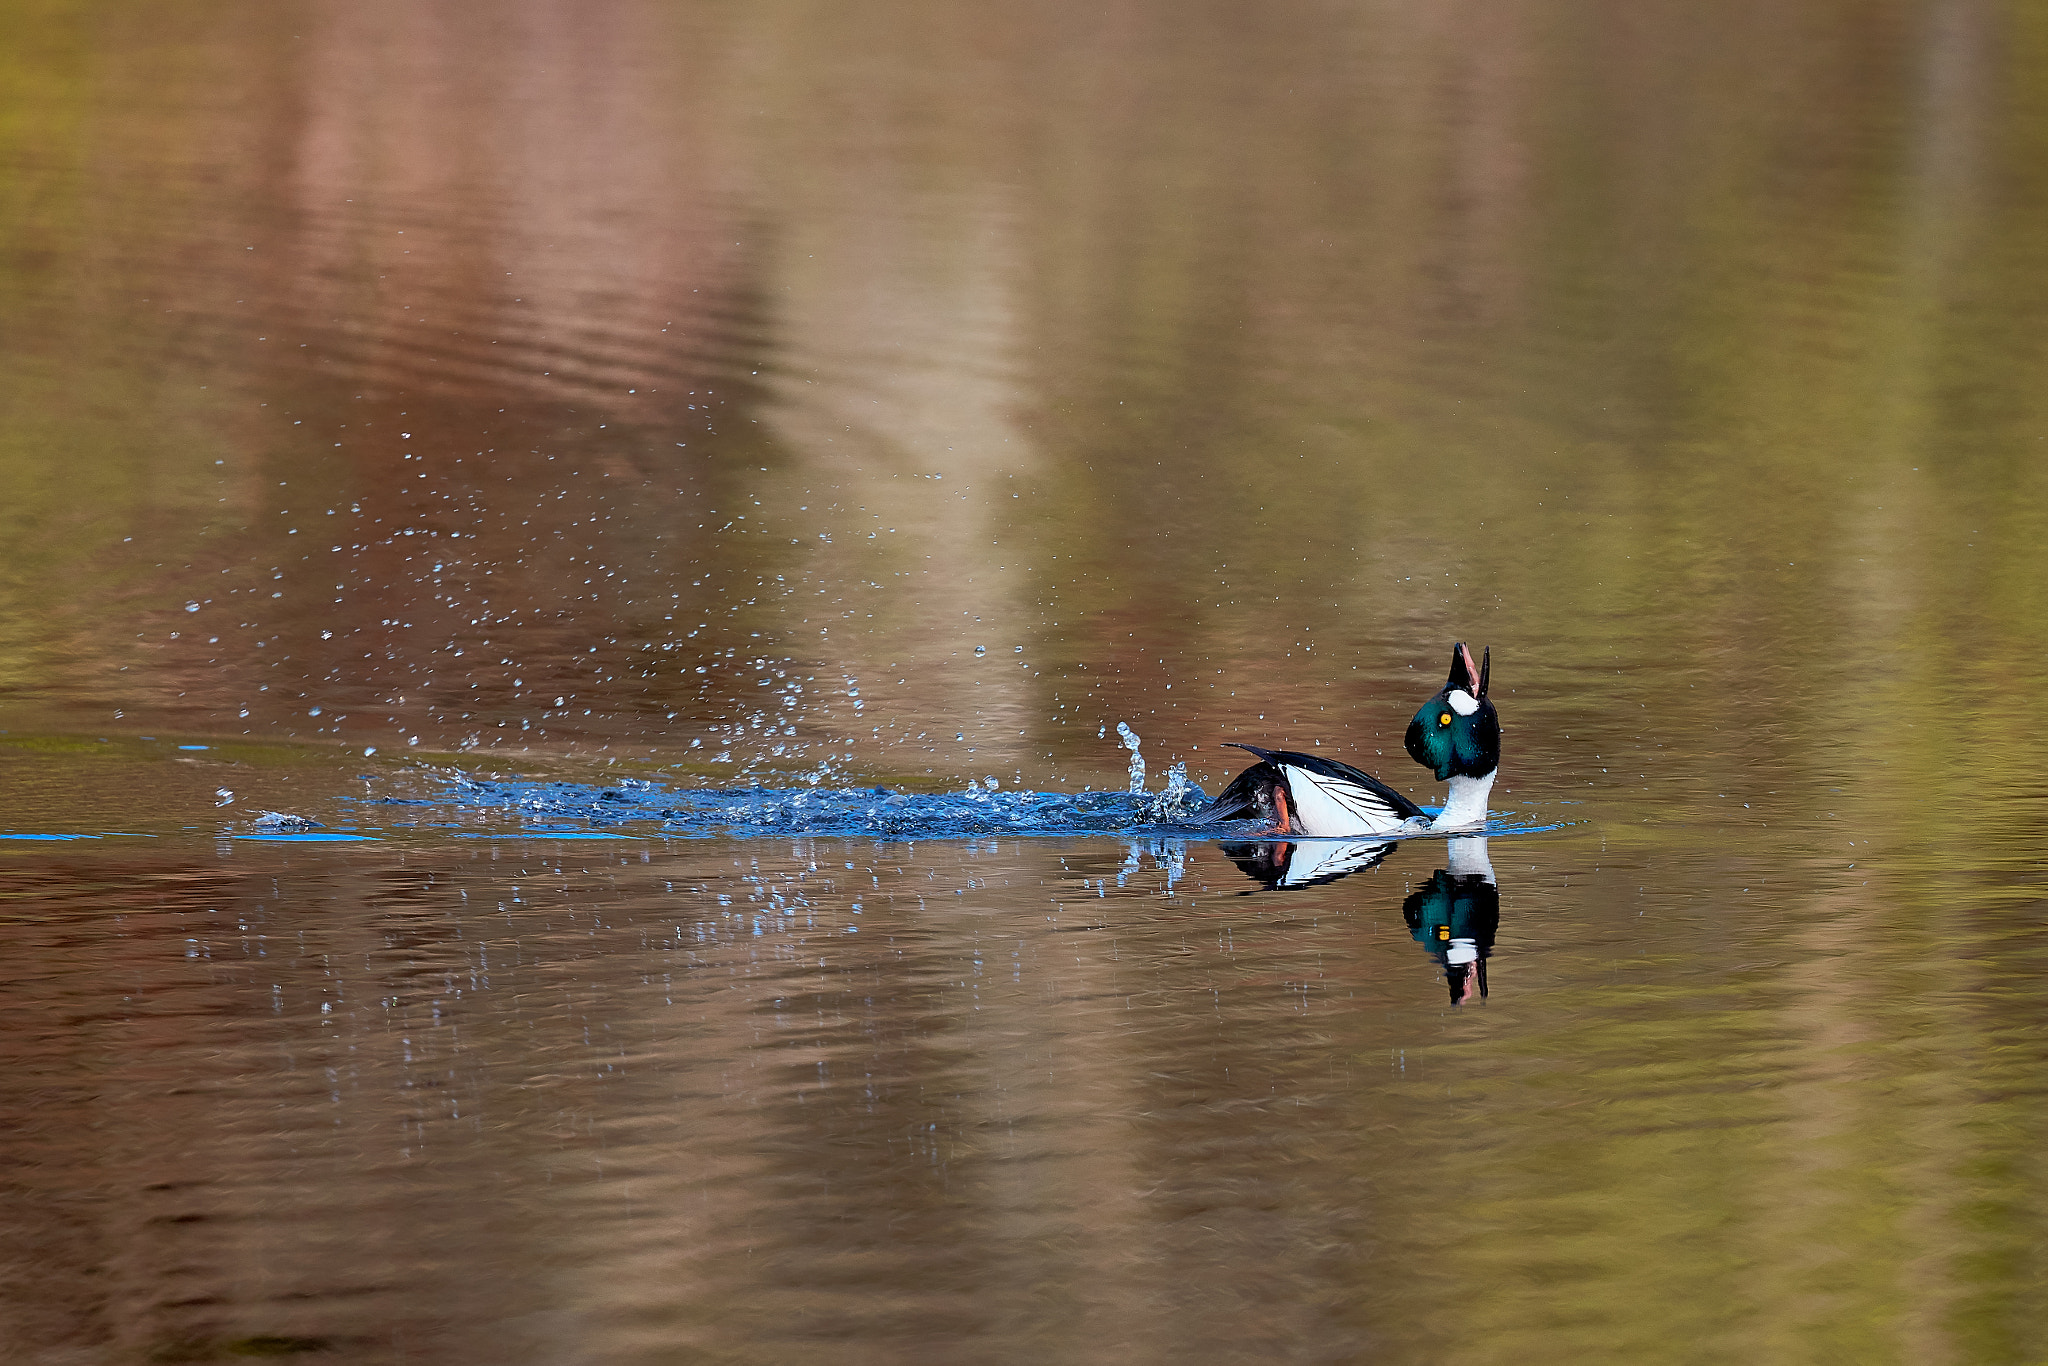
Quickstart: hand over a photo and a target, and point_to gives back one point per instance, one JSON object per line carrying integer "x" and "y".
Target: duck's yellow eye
{"x": 1444, "y": 720}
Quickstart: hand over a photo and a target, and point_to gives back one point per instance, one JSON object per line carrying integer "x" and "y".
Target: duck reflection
{"x": 1277, "y": 864}
{"x": 1455, "y": 915}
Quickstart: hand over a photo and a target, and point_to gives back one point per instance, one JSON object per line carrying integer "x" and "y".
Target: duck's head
{"x": 1457, "y": 733}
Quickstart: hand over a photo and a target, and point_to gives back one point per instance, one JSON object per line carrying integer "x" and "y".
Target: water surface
{"x": 480, "y": 430}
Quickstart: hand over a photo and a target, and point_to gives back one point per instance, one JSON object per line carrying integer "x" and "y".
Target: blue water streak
{"x": 536, "y": 809}
{"x": 704, "y": 813}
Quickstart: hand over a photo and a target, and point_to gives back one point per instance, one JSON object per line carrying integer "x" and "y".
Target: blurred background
{"x": 906, "y": 393}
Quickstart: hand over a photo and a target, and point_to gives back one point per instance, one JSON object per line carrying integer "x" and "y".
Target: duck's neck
{"x": 1467, "y": 804}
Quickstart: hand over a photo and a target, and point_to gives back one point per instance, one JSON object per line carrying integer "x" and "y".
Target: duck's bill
{"x": 1464, "y": 673}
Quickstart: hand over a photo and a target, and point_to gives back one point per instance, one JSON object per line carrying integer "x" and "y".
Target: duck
{"x": 1455, "y": 734}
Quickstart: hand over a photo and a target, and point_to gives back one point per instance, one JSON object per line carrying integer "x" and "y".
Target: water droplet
{"x": 981, "y": 649}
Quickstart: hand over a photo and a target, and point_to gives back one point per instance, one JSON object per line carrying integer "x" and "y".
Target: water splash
{"x": 983, "y": 808}
{"x": 1179, "y": 799}
{"x": 1131, "y": 742}
{"x": 284, "y": 821}
{"x": 523, "y": 808}
{"x": 555, "y": 808}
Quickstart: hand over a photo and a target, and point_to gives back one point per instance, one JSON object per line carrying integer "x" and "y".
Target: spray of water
{"x": 1131, "y": 743}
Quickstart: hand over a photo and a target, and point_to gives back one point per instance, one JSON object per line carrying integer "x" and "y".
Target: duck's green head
{"x": 1457, "y": 733}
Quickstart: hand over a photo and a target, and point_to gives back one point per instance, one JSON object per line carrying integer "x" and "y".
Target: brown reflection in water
{"x": 1044, "y": 1101}
{"x": 365, "y": 1104}
{"x": 353, "y": 1103}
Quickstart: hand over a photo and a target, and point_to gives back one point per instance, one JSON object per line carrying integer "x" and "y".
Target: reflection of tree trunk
{"x": 901, "y": 416}
{"x": 1863, "y": 1167}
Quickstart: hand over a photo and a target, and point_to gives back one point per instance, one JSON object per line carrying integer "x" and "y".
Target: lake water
{"x": 656, "y": 488}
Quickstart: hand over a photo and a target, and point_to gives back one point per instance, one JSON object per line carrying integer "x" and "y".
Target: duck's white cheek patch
{"x": 1462, "y": 702}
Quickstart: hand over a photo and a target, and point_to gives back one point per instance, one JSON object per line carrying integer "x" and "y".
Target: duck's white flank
{"x": 1330, "y": 807}
{"x": 1467, "y": 804}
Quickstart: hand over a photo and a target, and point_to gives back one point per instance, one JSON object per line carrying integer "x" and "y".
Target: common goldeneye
{"x": 1456, "y": 735}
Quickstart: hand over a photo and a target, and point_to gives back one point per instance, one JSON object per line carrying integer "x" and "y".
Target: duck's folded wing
{"x": 1332, "y": 798}
{"x": 1341, "y": 794}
